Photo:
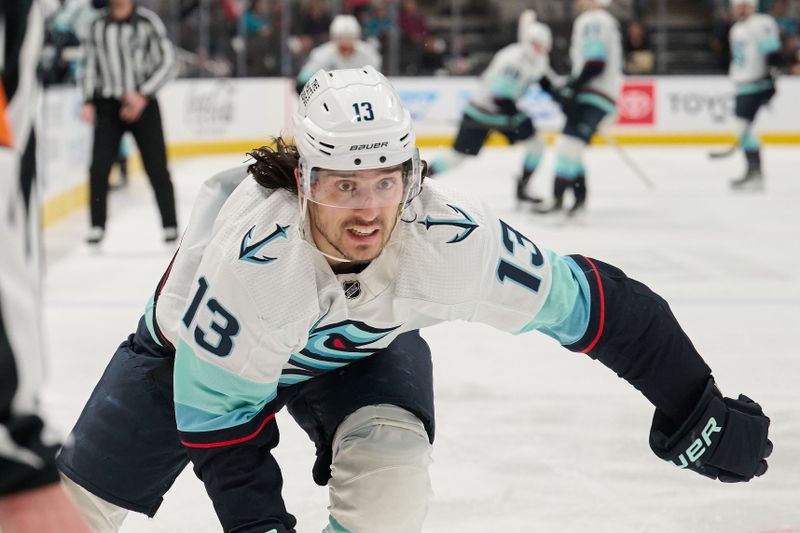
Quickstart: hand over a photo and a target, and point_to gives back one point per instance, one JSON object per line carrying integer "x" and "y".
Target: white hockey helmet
{"x": 603, "y": 3}
{"x": 345, "y": 26}
{"x": 535, "y": 32}
{"x": 349, "y": 120}
{"x": 751, "y": 3}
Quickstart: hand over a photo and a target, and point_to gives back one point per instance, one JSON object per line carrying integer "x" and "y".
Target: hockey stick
{"x": 719, "y": 154}
{"x": 628, "y": 161}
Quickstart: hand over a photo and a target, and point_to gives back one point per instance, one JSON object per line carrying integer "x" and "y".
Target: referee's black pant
{"x": 149, "y": 137}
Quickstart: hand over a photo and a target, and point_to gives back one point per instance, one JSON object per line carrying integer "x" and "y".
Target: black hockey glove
{"x": 723, "y": 438}
{"x": 565, "y": 95}
{"x": 507, "y": 106}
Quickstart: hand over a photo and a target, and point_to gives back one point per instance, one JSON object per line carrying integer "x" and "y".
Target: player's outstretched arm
{"x": 632, "y": 331}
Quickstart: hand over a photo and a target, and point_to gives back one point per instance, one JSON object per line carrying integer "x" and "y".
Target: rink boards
{"x": 207, "y": 116}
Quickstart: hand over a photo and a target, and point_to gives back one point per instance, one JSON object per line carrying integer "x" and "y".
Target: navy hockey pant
{"x": 125, "y": 446}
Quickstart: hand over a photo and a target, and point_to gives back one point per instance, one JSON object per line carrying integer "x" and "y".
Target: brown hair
{"x": 275, "y": 164}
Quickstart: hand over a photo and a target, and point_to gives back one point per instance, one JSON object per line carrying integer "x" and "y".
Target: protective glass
{"x": 365, "y": 188}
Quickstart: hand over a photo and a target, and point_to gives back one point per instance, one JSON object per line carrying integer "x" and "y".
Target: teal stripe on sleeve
{"x": 505, "y": 87}
{"x": 149, "y": 311}
{"x": 594, "y": 49}
{"x": 565, "y": 314}
{"x": 208, "y": 397}
{"x": 292, "y": 379}
{"x": 769, "y": 44}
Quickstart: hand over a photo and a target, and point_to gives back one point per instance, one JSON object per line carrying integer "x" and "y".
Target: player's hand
{"x": 133, "y": 104}
{"x": 87, "y": 113}
{"x": 565, "y": 95}
{"x": 723, "y": 438}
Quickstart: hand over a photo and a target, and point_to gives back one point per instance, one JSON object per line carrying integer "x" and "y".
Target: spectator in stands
{"x": 412, "y": 22}
{"x": 431, "y": 60}
{"x": 260, "y": 38}
{"x": 315, "y": 21}
{"x": 376, "y": 22}
{"x": 791, "y": 49}
{"x": 721, "y": 22}
{"x": 414, "y": 30}
{"x": 639, "y": 58}
{"x": 787, "y": 24}
{"x": 256, "y": 18}
{"x": 358, "y": 8}
{"x": 311, "y": 29}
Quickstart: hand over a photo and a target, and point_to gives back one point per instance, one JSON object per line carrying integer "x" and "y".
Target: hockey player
{"x": 31, "y": 497}
{"x": 304, "y": 283}
{"x": 344, "y": 50}
{"x": 493, "y": 106}
{"x": 755, "y": 49}
{"x": 588, "y": 97}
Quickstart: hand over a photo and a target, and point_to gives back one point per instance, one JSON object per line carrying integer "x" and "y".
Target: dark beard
{"x": 353, "y": 263}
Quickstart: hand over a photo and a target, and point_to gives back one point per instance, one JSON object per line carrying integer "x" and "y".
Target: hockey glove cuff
{"x": 506, "y": 106}
{"x": 722, "y": 438}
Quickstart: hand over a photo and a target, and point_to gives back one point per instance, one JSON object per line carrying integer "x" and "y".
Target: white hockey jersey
{"x": 751, "y": 42}
{"x": 596, "y": 35}
{"x": 250, "y": 304}
{"x": 326, "y": 56}
{"x": 509, "y": 75}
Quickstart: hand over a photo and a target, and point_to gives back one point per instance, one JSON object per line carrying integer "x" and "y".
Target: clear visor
{"x": 365, "y": 188}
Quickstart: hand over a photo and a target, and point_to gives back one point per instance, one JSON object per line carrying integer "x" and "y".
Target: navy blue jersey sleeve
{"x": 632, "y": 331}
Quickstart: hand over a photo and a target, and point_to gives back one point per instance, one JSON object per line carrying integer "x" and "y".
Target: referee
{"x": 128, "y": 58}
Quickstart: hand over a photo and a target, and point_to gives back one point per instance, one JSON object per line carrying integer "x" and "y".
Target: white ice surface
{"x": 549, "y": 440}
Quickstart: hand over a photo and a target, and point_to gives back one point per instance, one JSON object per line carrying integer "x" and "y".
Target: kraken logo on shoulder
{"x": 247, "y": 251}
{"x": 466, "y": 223}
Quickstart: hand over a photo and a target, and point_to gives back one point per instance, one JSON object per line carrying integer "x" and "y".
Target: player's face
{"x": 742, "y": 11}
{"x": 344, "y": 45}
{"x": 353, "y": 213}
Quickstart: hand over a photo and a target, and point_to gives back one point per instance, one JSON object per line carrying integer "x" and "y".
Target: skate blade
{"x": 748, "y": 187}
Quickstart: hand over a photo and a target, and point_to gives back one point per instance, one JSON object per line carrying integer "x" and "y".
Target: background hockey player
{"x": 493, "y": 107}
{"x": 344, "y": 50}
{"x": 305, "y": 285}
{"x": 588, "y": 97}
{"x": 31, "y": 498}
{"x": 755, "y": 49}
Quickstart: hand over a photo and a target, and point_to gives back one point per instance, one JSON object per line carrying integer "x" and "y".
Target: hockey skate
{"x": 578, "y": 209}
{"x": 95, "y": 235}
{"x": 170, "y": 234}
{"x": 753, "y": 180}
{"x": 553, "y": 207}
{"x": 522, "y": 195}
{"x": 579, "y": 189}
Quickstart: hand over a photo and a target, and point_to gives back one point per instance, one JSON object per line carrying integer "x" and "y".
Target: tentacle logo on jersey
{"x": 333, "y": 346}
{"x": 467, "y": 223}
{"x": 247, "y": 251}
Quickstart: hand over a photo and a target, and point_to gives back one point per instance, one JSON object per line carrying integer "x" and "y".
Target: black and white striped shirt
{"x": 126, "y": 55}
